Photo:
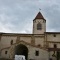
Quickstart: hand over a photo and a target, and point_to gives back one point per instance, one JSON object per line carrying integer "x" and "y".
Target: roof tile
{"x": 39, "y": 16}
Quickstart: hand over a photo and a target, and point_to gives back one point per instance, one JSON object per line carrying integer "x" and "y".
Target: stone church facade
{"x": 40, "y": 45}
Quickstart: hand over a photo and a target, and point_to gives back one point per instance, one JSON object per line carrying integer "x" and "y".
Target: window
{"x": 55, "y": 46}
{"x": 39, "y": 45}
{"x": 37, "y": 53}
{"x": 5, "y": 52}
{"x": 54, "y": 35}
{"x": 39, "y": 26}
{"x": 11, "y": 42}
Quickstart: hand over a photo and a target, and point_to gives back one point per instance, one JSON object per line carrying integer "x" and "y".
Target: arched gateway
{"x": 21, "y": 50}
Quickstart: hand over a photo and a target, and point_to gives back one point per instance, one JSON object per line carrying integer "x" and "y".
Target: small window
{"x": 39, "y": 26}
{"x": 11, "y": 42}
{"x": 5, "y": 52}
{"x": 39, "y": 45}
{"x": 37, "y": 53}
{"x": 55, "y": 46}
{"x": 54, "y": 35}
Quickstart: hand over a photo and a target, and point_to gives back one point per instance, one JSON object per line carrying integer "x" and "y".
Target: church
{"x": 40, "y": 45}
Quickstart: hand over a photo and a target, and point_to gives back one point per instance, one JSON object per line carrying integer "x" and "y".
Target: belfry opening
{"x": 21, "y": 50}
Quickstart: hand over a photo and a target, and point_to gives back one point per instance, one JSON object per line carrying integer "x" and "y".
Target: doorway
{"x": 21, "y": 50}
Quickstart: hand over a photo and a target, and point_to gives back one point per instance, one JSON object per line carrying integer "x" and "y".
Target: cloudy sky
{"x": 16, "y": 16}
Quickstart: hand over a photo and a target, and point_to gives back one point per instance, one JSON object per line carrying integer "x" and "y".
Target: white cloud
{"x": 18, "y": 15}
{"x": 3, "y": 28}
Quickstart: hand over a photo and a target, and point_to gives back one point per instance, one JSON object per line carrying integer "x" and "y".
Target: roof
{"x": 20, "y": 34}
{"x": 39, "y": 16}
{"x": 52, "y": 32}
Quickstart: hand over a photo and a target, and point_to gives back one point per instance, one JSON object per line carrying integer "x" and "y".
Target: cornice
{"x": 52, "y": 32}
{"x": 22, "y": 35}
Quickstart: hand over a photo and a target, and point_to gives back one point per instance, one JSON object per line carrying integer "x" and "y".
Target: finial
{"x": 39, "y": 9}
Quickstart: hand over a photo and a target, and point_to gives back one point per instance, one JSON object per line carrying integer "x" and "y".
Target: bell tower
{"x": 39, "y": 24}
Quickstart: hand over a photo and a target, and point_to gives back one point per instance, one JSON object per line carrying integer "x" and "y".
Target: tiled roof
{"x": 39, "y": 16}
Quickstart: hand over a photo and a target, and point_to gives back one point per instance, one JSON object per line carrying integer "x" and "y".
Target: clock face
{"x": 39, "y": 26}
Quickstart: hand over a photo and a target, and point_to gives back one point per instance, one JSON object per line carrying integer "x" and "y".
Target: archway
{"x": 21, "y": 50}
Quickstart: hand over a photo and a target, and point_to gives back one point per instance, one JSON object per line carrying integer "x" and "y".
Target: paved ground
{"x": 5, "y": 59}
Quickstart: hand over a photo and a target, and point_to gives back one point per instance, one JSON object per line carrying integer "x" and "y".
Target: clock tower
{"x": 39, "y": 24}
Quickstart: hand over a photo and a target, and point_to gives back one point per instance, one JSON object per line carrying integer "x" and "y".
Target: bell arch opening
{"x": 21, "y": 50}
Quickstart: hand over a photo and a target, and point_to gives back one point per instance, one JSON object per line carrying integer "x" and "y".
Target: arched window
{"x": 39, "y": 26}
{"x": 11, "y": 42}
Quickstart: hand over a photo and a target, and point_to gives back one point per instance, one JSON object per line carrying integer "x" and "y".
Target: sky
{"x": 16, "y": 16}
